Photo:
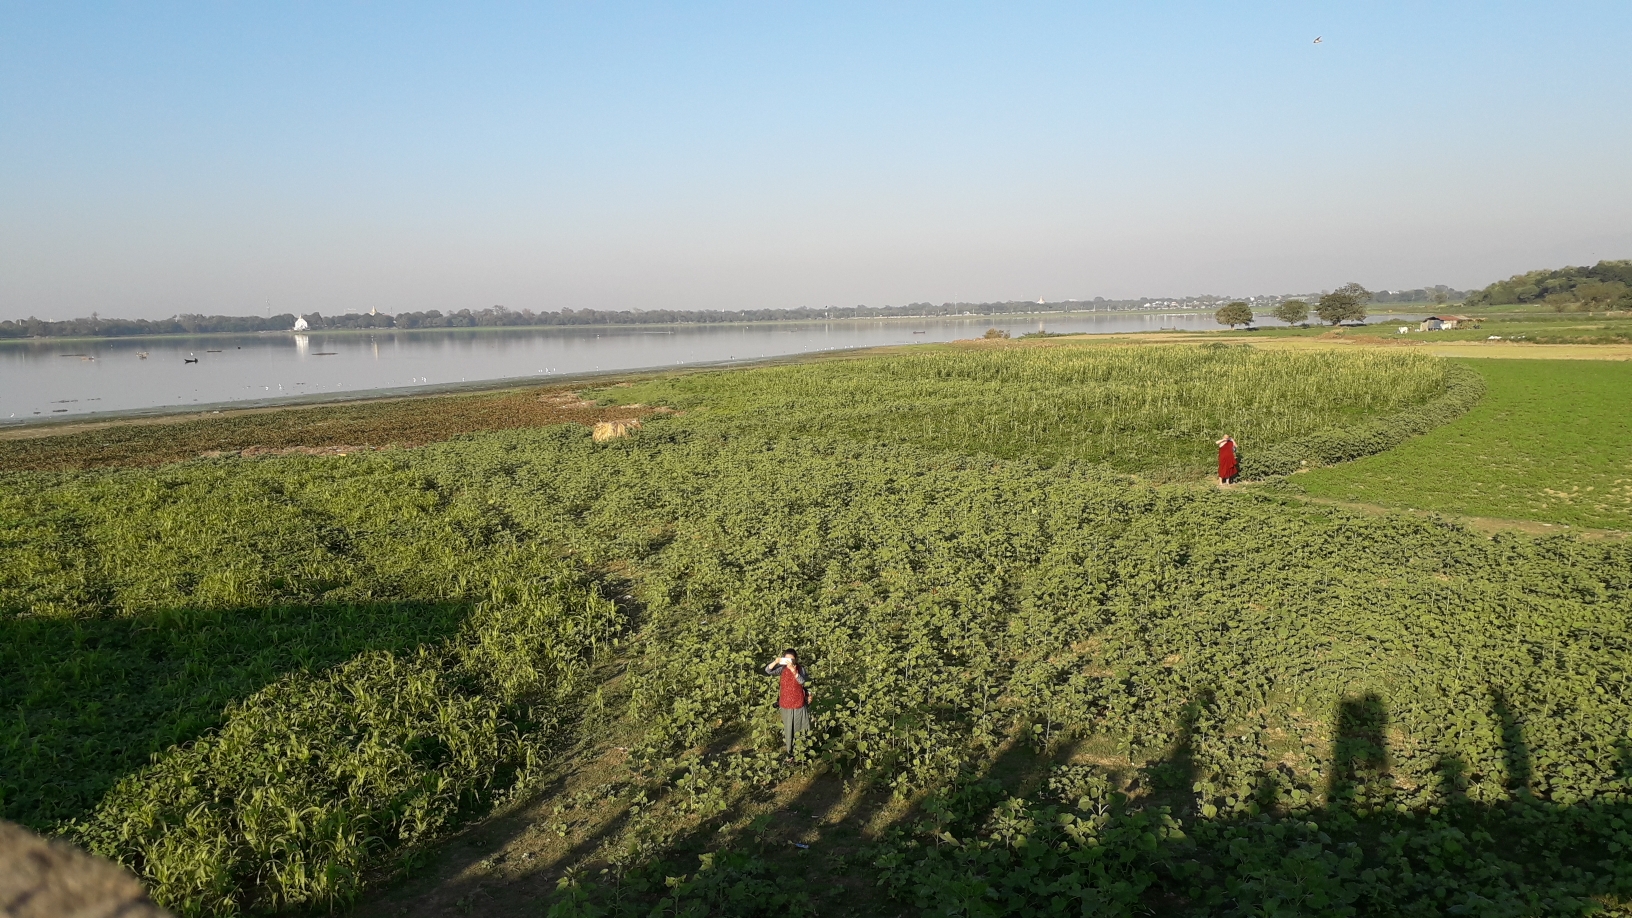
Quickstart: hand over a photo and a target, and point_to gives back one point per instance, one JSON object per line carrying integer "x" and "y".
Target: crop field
{"x": 1550, "y": 442}
{"x": 1042, "y": 685}
{"x": 234, "y": 672}
{"x": 1151, "y": 410}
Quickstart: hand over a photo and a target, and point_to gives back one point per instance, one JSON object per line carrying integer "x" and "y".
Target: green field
{"x": 1043, "y": 685}
{"x": 1551, "y": 441}
{"x": 1530, "y": 323}
{"x": 1154, "y": 411}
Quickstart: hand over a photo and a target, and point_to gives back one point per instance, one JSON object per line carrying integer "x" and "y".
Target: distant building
{"x": 1444, "y": 323}
{"x": 300, "y": 324}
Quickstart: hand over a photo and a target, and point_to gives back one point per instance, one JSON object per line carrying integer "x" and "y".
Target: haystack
{"x": 611, "y": 430}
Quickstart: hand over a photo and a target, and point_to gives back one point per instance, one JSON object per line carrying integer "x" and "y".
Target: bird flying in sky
{"x": 1317, "y": 39}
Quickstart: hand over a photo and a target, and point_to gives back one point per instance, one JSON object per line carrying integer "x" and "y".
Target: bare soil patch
{"x": 322, "y": 430}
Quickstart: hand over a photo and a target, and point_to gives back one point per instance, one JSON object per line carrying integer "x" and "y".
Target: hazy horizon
{"x": 220, "y": 160}
{"x": 1201, "y": 299}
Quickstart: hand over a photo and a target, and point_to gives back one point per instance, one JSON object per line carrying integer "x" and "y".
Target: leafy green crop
{"x": 1254, "y": 666}
{"x": 266, "y": 681}
{"x": 349, "y": 658}
{"x": 310, "y": 781}
{"x": 1003, "y": 591}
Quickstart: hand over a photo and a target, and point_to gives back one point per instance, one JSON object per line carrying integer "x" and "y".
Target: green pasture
{"x": 1517, "y": 323}
{"x": 1050, "y": 686}
{"x": 1551, "y": 441}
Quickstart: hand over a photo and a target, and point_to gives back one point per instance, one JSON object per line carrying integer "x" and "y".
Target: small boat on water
{"x": 189, "y": 360}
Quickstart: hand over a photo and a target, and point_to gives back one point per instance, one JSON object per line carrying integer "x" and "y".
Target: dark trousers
{"x": 794, "y": 722}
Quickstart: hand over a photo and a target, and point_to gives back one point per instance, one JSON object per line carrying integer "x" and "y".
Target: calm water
{"x": 42, "y": 380}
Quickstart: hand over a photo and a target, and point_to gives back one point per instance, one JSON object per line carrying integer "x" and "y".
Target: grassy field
{"x": 1522, "y": 323}
{"x": 1043, "y": 686}
{"x": 1550, "y": 442}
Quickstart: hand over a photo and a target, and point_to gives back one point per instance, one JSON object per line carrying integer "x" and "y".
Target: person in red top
{"x": 1229, "y": 465}
{"x": 794, "y": 698}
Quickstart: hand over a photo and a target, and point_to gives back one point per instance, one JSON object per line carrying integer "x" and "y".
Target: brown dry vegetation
{"x": 315, "y": 430}
{"x": 612, "y": 430}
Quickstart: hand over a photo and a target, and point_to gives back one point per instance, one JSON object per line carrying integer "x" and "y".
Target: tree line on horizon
{"x": 1605, "y": 286}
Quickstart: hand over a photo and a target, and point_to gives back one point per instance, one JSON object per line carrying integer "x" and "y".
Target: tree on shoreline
{"x": 1292, "y": 312}
{"x": 1345, "y": 304}
{"x": 1233, "y": 314}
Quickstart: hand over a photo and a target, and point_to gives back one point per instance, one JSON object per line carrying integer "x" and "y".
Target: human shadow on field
{"x": 1515, "y": 751}
{"x": 1360, "y": 766}
{"x": 1350, "y": 844}
{"x": 1171, "y": 776}
{"x": 1357, "y": 850}
{"x": 90, "y": 700}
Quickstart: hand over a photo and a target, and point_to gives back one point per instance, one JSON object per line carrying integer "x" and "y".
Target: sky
{"x": 159, "y": 158}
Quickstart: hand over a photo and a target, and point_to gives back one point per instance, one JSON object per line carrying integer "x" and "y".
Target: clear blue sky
{"x": 159, "y": 158}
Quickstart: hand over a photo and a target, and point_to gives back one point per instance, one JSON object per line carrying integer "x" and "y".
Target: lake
{"x": 46, "y": 379}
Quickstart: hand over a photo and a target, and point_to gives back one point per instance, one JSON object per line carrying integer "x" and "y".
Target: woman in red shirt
{"x": 793, "y": 699}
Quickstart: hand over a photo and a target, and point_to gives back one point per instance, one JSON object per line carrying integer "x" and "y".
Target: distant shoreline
{"x": 42, "y": 427}
{"x": 35, "y": 427}
{"x": 847, "y": 320}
